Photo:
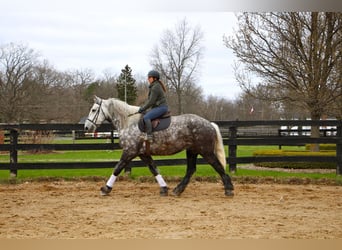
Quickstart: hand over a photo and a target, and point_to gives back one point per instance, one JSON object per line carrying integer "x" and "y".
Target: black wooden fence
{"x": 235, "y": 133}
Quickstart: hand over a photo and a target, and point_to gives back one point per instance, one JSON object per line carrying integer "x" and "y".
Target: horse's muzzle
{"x": 89, "y": 126}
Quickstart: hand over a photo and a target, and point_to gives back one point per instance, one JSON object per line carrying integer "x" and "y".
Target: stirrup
{"x": 148, "y": 137}
{"x": 143, "y": 137}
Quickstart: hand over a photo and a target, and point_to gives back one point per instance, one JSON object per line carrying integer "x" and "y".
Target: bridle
{"x": 96, "y": 116}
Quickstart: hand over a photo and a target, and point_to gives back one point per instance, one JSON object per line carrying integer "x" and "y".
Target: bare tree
{"x": 250, "y": 108}
{"x": 65, "y": 94}
{"x": 214, "y": 108}
{"x": 177, "y": 57}
{"x": 39, "y": 100}
{"x": 142, "y": 89}
{"x": 16, "y": 66}
{"x": 51, "y": 97}
{"x": 297, "y": 55}
{"x": 80, "y": 80}
{"x": 192, "y": 99}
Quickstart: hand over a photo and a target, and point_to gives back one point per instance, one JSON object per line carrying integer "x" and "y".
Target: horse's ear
{"x": 97, "y": 100}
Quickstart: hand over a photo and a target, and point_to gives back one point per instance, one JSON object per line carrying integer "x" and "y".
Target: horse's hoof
{"x": 105, "y": 190}
{"x": 229, "y": 193}
{"x": 164, "y": 191}
{"x": 127, "y": 173}
{"x": 176, "y": 191}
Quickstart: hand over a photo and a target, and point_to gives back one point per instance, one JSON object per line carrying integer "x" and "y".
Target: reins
{"x": 133, "y": 114}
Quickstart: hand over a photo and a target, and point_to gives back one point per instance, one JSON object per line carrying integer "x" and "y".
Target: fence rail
{"x": 231, "y": 132}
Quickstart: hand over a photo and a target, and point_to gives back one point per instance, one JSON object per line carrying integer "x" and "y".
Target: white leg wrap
{"x": 111, "y": 181}
{"x": 161, "y": 181}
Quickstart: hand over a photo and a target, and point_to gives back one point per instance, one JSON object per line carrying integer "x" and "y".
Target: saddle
{"x": 158, "y": 124}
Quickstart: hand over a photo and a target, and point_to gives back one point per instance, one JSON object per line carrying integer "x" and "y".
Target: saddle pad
{"x": 164, "y": 123}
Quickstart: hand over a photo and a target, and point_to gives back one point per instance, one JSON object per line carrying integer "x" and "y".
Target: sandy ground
{"x": 134, "y": 210}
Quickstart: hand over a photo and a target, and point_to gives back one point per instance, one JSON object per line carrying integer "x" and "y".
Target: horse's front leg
{"x": 154, "y": 170}
{"x": 124, "y": 161}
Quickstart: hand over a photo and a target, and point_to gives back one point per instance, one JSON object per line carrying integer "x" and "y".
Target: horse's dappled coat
{"x": 187, "y": 132}
{"x": 166, "y": 142}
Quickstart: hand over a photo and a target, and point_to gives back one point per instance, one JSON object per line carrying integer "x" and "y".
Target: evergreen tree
{"x": 126, "y": 81}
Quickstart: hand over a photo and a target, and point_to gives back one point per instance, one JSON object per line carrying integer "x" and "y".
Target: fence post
{"x": 279, "y": 135}
{"x": 112, "y": 136}
{"x": 14, "y": 153}
{"x": 73, "y": 133}
{"x": 339, "y": 151}
{"x": 232, "y": 149}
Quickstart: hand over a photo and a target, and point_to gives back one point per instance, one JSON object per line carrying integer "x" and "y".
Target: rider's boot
{"x": 148, "y": 126}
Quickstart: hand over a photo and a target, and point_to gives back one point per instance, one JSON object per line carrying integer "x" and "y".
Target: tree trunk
{"x": 314, "y": 132}
{"x": 179, "y": 97}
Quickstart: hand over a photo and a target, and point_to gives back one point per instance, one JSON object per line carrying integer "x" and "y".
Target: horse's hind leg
{"x": 191, "y": 168}
{"x": 215, "y": 163}
{"x": 154, "y": 170}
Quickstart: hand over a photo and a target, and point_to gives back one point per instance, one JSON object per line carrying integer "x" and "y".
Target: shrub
{"x": 2, "y": 137}
{"x": 295, "y": 165}
{"x": 323, "y": 147}
{"x": 37, "y": 137}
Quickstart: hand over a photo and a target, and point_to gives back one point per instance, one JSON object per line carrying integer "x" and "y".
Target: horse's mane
{"x": 122, "y": 107}
{"x": 121, "y": 110}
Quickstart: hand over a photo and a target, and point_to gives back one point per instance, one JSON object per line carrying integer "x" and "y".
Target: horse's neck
{"x": 120, "y": 110}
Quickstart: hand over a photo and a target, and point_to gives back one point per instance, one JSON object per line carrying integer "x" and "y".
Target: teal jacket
{"x": 156, "y": 96}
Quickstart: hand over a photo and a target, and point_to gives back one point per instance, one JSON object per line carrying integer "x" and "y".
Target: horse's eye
{"x": 93, "y": 110}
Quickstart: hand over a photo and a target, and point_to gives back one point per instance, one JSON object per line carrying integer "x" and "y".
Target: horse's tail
{"x": 219, "y": 148}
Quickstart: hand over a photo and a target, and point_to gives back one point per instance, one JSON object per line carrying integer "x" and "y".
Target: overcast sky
{"x": 79, "y": 35}
{"x": 109, "y": 34}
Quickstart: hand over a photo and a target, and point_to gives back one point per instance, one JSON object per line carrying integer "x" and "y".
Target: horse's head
{"x": 96, "y": 115}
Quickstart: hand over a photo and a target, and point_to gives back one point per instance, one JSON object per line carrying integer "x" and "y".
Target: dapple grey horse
{"x": 187, "y": 132}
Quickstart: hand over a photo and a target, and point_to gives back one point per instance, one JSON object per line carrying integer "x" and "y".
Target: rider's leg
{"x": 150, "y": 115}
{"x": 148, "y": 127}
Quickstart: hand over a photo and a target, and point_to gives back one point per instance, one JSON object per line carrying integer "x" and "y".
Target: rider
{"x": 156, "y": 101}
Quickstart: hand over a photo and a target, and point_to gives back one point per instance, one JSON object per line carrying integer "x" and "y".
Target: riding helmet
{"x": 153, "y": 73}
